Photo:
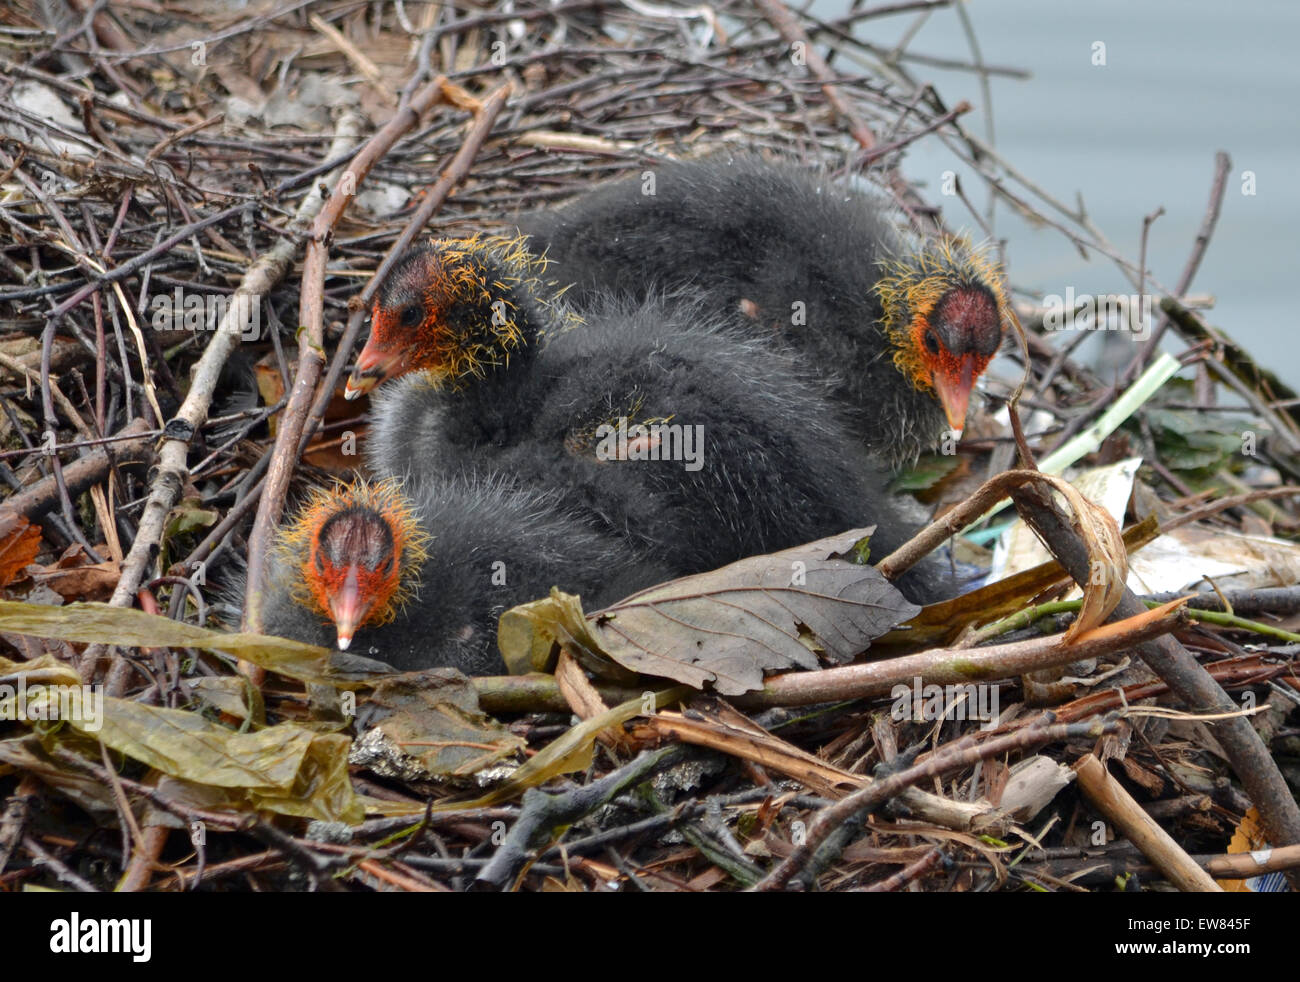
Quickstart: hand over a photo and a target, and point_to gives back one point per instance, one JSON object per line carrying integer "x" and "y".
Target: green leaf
{"x": 928, "y": 471}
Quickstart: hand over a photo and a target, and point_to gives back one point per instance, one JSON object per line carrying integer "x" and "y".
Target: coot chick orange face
{"x": 357, "y": 551}
{"x": 456, "y": 309}
{"x": 416, "y": 574}
{"x": 943, "y": 310}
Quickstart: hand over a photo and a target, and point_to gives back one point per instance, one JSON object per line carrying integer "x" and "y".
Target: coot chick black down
{"x": 903, "y": 328}
{"x": 671, "y": 425}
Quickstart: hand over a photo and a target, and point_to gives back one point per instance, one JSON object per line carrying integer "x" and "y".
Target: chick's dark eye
{"x": 320, "y": 563}
{"x": 410, "y": 316}
{"x": 931, "y": 342}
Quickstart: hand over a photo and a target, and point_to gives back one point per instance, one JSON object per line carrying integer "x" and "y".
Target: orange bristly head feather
{"x": 945, "y": 309}
{"x": 455, "y": 308}
{"x": 355, "y": 552}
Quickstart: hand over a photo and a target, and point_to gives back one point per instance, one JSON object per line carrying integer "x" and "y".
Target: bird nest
{"x": 195, "y": 202}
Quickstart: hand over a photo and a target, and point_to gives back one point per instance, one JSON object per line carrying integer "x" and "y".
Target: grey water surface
{"x": 1180, "y": 81}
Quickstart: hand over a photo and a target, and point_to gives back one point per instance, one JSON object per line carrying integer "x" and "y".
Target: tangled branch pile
{"x": 195, "y": 201}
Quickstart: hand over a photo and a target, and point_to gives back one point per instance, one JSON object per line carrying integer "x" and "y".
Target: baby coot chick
{"x": 905, "y": 330}
{"x": 419, "y": 575}
{"x": 675, "y": 429}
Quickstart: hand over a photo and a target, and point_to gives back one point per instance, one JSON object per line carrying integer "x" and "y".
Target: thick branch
{"x": 949, "y": 666}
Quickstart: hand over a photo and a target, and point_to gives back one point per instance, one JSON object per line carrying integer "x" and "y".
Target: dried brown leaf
{"x": 91, "y": 581}
{"x": 20, "y": 540}
{"x": 727, "y": 627}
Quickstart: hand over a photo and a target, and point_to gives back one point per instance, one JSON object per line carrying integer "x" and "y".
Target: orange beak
{"x": 375, "y": 364}
{"x": 347, "y": 608}
{"x": 954, "y": 388}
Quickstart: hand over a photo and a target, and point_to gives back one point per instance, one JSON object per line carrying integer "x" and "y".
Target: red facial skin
{"x": 954, "y": 378}
{"x": 957, "y": 339}
{"x": 390, "y": 353}
{"x": 354, "y": 577}
{"x": 407, "y": 333}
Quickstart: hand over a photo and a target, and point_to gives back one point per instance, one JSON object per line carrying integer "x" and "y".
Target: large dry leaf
{"x": 727, "y": 627}
{"x": 100, "y": 623}
{"x": 285, "y": 768}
